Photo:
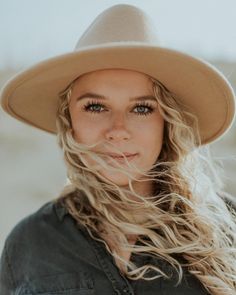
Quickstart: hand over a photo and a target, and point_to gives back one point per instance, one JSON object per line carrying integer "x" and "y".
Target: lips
{"x": 121, "y": 159}
{"x": 127, "y": 155}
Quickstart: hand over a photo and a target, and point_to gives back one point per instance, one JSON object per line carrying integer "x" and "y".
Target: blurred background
{"x": 32, "y": 168}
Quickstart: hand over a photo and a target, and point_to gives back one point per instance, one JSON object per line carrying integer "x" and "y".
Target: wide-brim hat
{"x": 123, "y": 36}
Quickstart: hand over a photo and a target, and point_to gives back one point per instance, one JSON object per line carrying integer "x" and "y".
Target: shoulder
{"x": 30, "y": 227}
{"x": 40, "y": 253}
{"x": 38, "y": 233}
{"x": 22, "y": 246}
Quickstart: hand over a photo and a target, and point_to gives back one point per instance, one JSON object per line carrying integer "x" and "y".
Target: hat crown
{"x": 118, "y": 24}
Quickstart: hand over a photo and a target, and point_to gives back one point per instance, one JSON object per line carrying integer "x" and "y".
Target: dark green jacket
{"x": 46, "y": 253}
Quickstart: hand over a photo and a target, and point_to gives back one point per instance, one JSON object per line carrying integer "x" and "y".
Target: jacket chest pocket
{"x": 80, "y": 283}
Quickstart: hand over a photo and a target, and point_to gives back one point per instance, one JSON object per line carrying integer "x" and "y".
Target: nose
{"x": 118, "y": 129}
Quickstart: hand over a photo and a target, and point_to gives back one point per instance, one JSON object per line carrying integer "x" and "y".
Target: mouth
{"x": 119, "y": 158}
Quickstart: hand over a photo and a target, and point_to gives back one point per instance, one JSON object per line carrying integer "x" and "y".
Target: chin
{"x": 116, "y": 178}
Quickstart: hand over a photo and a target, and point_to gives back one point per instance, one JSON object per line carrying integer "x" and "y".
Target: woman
{"x": 144, "y": 211}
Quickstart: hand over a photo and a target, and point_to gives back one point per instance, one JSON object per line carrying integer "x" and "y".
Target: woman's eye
{"x": 93, "y": 107}
{"x": 148, "y": 109}
{"x": 143, "y": 109}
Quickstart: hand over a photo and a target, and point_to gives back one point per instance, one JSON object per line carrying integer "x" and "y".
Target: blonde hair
{"x": 187, "y": 215}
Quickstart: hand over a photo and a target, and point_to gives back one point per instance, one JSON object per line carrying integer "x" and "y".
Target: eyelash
{"x": 142, "y": 104}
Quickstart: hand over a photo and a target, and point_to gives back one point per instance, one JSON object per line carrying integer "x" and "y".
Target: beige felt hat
{"x": 123, "y": 36}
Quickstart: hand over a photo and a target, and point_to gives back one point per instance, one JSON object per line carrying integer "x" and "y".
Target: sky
{"x": 31, "y": 31}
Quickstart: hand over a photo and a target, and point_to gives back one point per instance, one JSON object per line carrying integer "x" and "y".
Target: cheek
{"x": 85, "y": 130}
{"x": 152, "y": 133}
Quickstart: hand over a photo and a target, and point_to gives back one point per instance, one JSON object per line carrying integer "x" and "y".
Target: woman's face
{"x": 118, "y": 106}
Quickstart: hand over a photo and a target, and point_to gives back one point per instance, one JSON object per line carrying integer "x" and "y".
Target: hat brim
{"x": 32, "y": 95}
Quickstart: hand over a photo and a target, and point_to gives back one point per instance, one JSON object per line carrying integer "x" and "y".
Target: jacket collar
{"x": 61, "y": 210}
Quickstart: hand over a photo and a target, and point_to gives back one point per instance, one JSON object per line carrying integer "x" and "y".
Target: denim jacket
{"x": 47, "y": 252}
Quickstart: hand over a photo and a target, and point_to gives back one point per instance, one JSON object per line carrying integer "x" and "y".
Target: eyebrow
{"x": 102, "y": 97}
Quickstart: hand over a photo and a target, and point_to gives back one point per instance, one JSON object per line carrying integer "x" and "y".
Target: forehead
{"x": 113, "y": 77}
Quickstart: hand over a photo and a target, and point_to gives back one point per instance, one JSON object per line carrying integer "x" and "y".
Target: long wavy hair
{"x": 188, "y": 215}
